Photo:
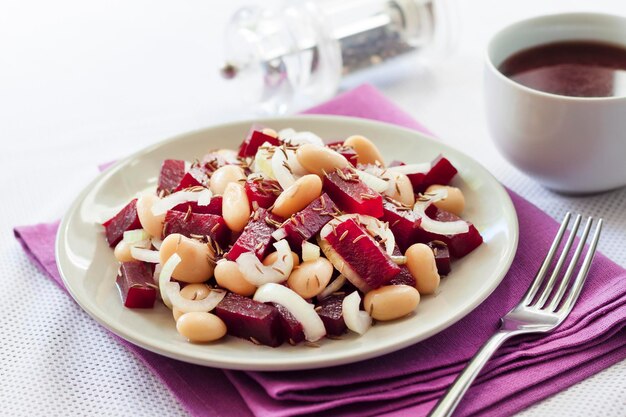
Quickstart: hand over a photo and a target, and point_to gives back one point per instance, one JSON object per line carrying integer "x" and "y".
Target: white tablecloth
{"x": 87, "y": 82}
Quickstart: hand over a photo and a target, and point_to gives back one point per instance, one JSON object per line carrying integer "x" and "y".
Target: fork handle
{"x": 448, "y": 403}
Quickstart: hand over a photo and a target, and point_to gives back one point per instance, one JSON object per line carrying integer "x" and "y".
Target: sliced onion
{"x": 334, "y": 286}
{"x": 356, "y": 320}
{"x": 263, "y": 160}
{"x": 411, "y": 168}
{"x": 279, "y": 234}
{"x": 374, "y": 182}
{"x": 145, "y": 255}
{"x": 258, "y": 274}
{"x": 136, "y": 237}
{"x": 294, "y": 138}
{"x": 310, "y": 251}
{"x": 398, "y": 260}
{"x": 166, "y": 203}
{"x": 312, "y": 324}
{"x": 372, "y": 224}
{"x": 286, "y": 167}
{"x": 205, "y": 305}
{"x": 157, "y": 272}
{"x": 435, "y": 226}
{"x": 156, "y": 243}
{"x": 166, "y": 274}
{"x": 204, "y": 199}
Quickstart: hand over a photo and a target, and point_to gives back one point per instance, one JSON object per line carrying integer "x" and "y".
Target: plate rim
{"x": 504, "y": 199}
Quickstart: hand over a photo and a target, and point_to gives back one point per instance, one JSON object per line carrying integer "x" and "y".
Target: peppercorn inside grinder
{"x": 295, "y": 55}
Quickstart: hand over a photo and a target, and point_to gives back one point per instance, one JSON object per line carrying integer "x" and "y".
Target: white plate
{"x": 88, "y": 267}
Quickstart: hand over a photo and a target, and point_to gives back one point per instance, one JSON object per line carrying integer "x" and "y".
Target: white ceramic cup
{"x": 568, "y": 144}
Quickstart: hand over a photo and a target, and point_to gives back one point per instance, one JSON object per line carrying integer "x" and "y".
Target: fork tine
{"x": 541, "y": 273}
{"x": 557, "y": 269}
{"x": 582, "y": 274}
{"x": 565, "y": 281}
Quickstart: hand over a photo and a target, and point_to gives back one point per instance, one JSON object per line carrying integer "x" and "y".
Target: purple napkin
{"x": 409, "y": 381}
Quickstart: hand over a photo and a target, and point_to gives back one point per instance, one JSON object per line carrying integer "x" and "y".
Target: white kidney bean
{"x": 192, "y": 292}
{"x": 453, "y": 203}
{"x": 228, "y": 275}
{"x": 122, "y": 252}
{"x": 311, "y": 278}
{"x": 402, "y": 190}
{"x": 367, "y": 152}
{"x": 298, "y": 195}
{"x": 150, "y": 223}
{"x": 273, "y": 257}
{"x": 200, "y": 327}
{"x": 224, "y": 176}
{"x": 319, "y": 160}
{"x": 197, "y": 258}
{"x": 235, "y": 207}
{"x": 421, "y": 263}
{"x": 390, "y": 302}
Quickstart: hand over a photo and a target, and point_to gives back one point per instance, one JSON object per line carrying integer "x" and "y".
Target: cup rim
{"x": 498, "y": 33}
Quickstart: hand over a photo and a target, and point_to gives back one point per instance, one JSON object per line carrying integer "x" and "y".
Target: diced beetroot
{"x": 172, "y": 172}
{"x": 441, "y": 172}
{"x": 351, "y": 194}
{"x": 254, "y": 140}
{"x": 263, "y": 191}
{"x": 402, "y": 222}
{"x": 135, "y": 285}
{"x": 257, "y": 236}
{"x": 404, "y": 277}
{"x": 347, "y": 151}
{"x": 363, "y": 254}
{"x": 196, "y": 176}
{"x": 214, "y": 207}
{"x": 460, "y": 244}
{"x": 197, "y": 224}
{"x": 126, "y": 219}
{"x": 308, "y": 222}
{"x": 442, "y": 256}
{"x": 331, "y": 315}
{"x": 249, "y": 319}
{"x": 291, "y": 328}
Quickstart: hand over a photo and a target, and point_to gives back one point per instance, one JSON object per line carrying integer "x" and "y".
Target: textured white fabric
{"x": 86, "y": 82}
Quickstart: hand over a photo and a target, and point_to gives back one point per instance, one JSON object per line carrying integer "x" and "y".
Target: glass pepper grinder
{"x": 295, "y": 55}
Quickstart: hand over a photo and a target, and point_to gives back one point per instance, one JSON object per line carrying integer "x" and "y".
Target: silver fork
{"x": 537, "y": 312}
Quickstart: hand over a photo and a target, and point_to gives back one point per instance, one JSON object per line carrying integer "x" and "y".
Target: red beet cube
{"x": 126, "y": 219}
{"x": 257, "y": 236}
{"x": 363, "y": 254}
{"x": 402, "y": 222}
{"x": 262, "y": 191}
{"x": 172, "y": 172}
{"x": 441, "y": 172}
{"x": 249, "y": 319}
{"x": 291, "y": 328}
{"x": 197, "y": 224}
{"x": 195, "y": 177}
{"x": 254, "y": 140}
{"x": 214, "y": 207}
{"x": 136, "y": 285}
{"x": 351, "y": 194}
{"x": 330, "y": 312}
{"x": 460, "y": 244}
{"x": 308, "y": 222}
{"x": 442, "y": 257}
